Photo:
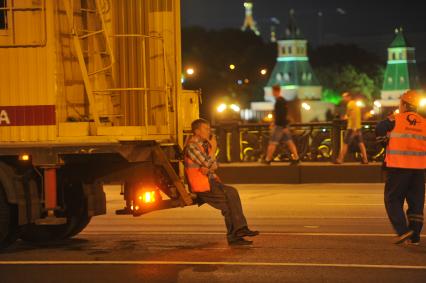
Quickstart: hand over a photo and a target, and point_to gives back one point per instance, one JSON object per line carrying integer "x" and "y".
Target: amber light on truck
{"x": 147, "y": 197}
{"x": 24, "y": 157}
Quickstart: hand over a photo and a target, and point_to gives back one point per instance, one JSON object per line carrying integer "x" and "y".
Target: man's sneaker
{"x": 402, "y": 238}
{"x": 294, "y": 162}
{"x": 239, "y": 242}
{"x": 266, "y": 162}
{"x": 246, "y": 232}
{"x": 414, "y": 242}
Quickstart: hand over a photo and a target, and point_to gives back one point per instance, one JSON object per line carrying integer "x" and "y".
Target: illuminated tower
{"x": 292, "y": 70}
{"x": 249, "y": 22}
{"x": 401, "y": 71}
{"x": 299, "y": 85}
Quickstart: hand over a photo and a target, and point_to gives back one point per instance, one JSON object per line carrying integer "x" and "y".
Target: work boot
{"x": 246, "y": 232}
{"x": 239, "y": 242}
{"x": 415, "y": 240}
{"x": 294, "y": 162}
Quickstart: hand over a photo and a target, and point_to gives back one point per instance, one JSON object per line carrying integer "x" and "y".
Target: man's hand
{"x": 212, "y": 141}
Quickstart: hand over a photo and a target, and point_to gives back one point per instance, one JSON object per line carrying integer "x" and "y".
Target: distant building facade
{"x": 299, "y": 85}
{"x": 401, "y": 71}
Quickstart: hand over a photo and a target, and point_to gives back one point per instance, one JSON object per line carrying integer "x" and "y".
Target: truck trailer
{"x": 90, "y": 94}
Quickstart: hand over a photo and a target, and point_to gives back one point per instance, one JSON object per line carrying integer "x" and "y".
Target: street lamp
{"x": 235, "y": 107}
{"x": 263, "y": 72}
{"x": 306, "y": 106}
{"x": 232, "y": 67}
{"x": 190, "y": 71}
{"x": 222, "y": 107}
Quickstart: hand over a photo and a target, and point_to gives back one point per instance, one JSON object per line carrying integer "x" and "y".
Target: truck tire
{"x": 8, "y": 221}
{"x": 71, "y": 191}
{"x": 82, "y": 223}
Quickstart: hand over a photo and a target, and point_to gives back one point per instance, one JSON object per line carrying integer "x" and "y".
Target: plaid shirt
{"x": 194, "y": 152}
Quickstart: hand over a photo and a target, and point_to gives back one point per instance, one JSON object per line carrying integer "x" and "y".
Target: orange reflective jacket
{"x": 197, "y": 180}
{"x": 407, "y": 142}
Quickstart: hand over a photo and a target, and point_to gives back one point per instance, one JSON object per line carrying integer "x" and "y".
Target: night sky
{"x": 369, "y": 24}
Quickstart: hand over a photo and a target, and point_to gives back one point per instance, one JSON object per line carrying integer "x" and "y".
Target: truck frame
{"x": 90, "y": 94}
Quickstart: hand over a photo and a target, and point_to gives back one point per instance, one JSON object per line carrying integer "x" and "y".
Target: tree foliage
{"x": 211, "y": 53}
{"x": 342, "y": 68}
{"x": 338, "y": 67}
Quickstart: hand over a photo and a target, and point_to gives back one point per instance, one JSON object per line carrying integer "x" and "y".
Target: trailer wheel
{"x": 8, "y": 221}
{"x": 81, "y": 224}
{"x": 71, "y": 192}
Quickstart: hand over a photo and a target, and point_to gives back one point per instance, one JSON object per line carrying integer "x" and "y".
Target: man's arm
{"x": 382, "y": 130}
{"x": 200, "y": 158}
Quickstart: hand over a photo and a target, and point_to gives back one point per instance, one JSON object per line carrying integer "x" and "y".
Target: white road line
{"x": 127, "y": 233}
{"x": 352, "y": 204}
{"x": 279, "y": 264}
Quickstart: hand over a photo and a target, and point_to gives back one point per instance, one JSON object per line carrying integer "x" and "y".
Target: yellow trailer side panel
{"x": 27, "y": 76}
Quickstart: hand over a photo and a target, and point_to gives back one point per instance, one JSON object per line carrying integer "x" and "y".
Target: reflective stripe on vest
{"x": 197, "y": 180}
{"x": 407, "y": 142}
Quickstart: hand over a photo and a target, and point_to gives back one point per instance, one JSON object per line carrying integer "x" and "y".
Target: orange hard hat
{"x": 411, "y": 97}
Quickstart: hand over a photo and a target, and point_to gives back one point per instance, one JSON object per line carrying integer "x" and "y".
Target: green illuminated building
{"x": 292, "y": 70}
{"x": 401, "y": 71}
{"x": 298, "y": 82}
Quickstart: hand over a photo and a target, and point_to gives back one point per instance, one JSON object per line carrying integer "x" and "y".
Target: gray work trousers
{"x": 405, "y": 185}
{"x": 226, "y": 199}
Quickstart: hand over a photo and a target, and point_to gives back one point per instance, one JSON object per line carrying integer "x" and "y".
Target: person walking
{"x": 405, "y": 137}
{"x": 279, "y": 129}
{"x": 353, "y": 130}
{"x": 200, "y": 169}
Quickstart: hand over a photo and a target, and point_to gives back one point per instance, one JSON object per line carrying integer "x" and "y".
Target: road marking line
{"x": 352, "y": 204}
{"x": 127, "y": 233}
{"x": 283, "y": 264}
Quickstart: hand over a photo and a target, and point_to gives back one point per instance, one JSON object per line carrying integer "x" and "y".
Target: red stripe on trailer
{"x": 28, "y": 115}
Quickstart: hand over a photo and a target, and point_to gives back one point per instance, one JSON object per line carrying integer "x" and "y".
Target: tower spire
{"x": 249, "y": 22}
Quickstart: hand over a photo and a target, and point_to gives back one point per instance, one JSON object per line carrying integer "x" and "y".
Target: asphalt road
{"x": 309, "y": 233}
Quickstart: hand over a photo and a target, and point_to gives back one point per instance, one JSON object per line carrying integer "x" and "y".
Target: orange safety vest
{"x": 197, "y": 180}
{"x": 407, "y": 142}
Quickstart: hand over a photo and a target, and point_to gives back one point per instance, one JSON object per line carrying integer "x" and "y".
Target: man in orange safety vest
{"x": 405, "y": 163}
{"x": 200, "y": 167}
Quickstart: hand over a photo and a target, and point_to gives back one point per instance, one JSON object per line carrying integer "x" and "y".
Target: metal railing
{"x": 319, "y": 141}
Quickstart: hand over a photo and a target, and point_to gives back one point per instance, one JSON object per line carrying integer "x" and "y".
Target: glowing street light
{"x": 190, "y": 71}
{"x": 263, "y": 72}
{"x": 235, "y": 107}
{"x": 360, "y": 104}
{"x": 232, "y": 67}
{"x": 306, "y": 106}
{"x": 222, "y": 107}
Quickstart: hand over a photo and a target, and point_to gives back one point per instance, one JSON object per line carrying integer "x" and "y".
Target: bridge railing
{"x": 317, "y": 141}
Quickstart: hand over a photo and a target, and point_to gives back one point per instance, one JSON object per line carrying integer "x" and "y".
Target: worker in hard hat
{"x": 405, "y": 162}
